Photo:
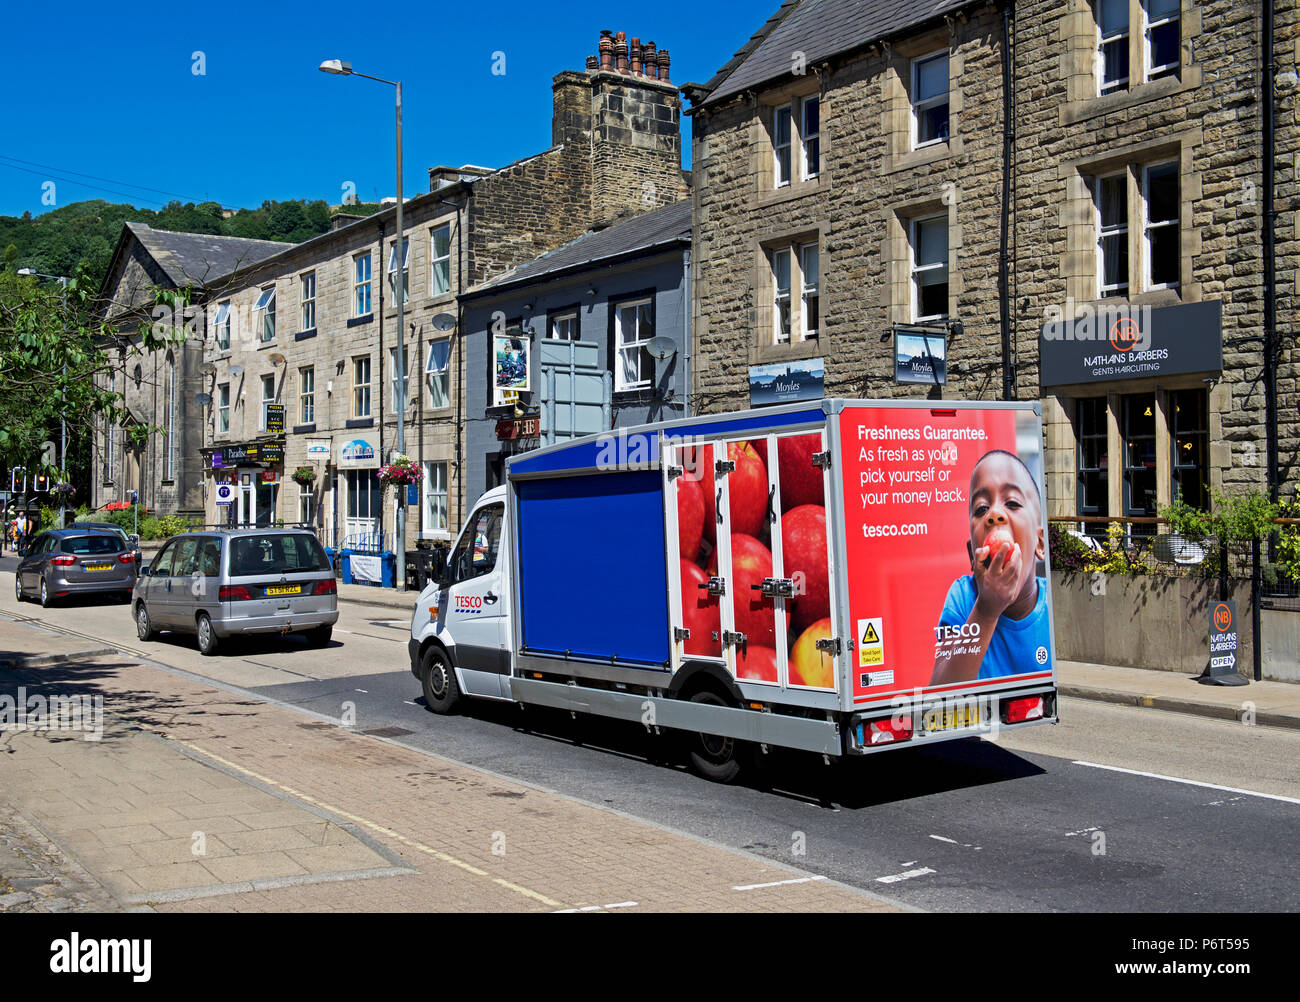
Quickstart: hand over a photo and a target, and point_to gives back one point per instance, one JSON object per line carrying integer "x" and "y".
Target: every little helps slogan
{"x": 945, "y": 530}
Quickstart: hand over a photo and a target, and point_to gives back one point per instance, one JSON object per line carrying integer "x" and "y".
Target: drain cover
{"x": 388, "y": 732}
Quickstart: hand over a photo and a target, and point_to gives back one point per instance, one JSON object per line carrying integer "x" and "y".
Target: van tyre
{"x": 143, "y": 625}
{"x": 208, "y": 639}
{"x": 441, "y": 693}
{"x": 712, "y": 757}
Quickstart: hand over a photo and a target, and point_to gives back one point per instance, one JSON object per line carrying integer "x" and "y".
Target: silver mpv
{"x": 225, "y": 583}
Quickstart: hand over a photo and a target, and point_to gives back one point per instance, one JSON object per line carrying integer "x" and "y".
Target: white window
{"x": 1160, "y": 225}
{"x": 361, "y": 386}
{"x": 1112, "y": 45}
{"x": 435, "y": 498}
{"x": 1161, "y": 37}
{"x": 930, "y": 100}
{"x": 406, "y": 269}
{"x": 306, "y": 504}
{"x": 223, "y": 409}
{"x": 440, "y": 261}
{"x": 268, "y": 396}
{"x": 307, "y": 291}
{"x": 406, "y": 377}
{"x": 809, "y": 259}
{"x": 564, "y": 326}
{"x": 810, "y": 135}
{"x": 1111, "y": 198}
{"x": 436, "y": 369}
{"x": 361, "y": 285}
{"x": 169, "y": 459}
{"x": 307, "y": 395}
{"x": 781, "y": 144}
{"x": 264, "y": 314}
{"x": 781, "y": 303}
{"x": 221, "y": 325}
{"x": 111, "y": 428}
{"x": 634, "y": 366}
{"x": 929, "y": 250}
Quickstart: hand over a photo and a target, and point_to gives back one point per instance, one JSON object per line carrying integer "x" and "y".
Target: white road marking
{"x": 906, "y": 875}
{"x": 409, "y": 702}
{"x": 339, "y": 629}
{"x": 366, "y": 691}
{"x": 1082, "y": 831}
{"x": 596, "y": 908}
{"x": 953, "y": 841}
{"x": 1192, "y": 782}
{"x": 777, "y": 883}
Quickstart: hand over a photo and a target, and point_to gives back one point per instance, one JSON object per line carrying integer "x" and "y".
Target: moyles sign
{"x": 1089, "y": 343}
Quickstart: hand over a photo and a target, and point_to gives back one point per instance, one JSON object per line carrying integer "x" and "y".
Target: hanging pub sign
{"x": 275, "y": 419}
{"x": 1088, "y": 344}
{"x": 511, "y": 428}
{"x": 787, "y": 382}
{"x": 920, "y": 358}
{"x": 510, "y": 363}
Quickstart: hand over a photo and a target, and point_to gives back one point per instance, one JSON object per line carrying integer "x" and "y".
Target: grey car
{"x": 225, "y": 583}
{"x": 64, "y": 562}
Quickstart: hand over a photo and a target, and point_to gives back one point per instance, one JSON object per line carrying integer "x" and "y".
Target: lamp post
{"x": 63, "y": 280}
{"x": 341, "y": 67}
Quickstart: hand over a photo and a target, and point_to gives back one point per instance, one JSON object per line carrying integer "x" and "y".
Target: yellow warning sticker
{"x": 871, "y": 642}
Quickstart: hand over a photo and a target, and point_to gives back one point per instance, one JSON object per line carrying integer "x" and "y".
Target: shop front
{"x": 1136, "y": 409}
{"x": 253, "y": 471}
{"x": 361, "y": 491}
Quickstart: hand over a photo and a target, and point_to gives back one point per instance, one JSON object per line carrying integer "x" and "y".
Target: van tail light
{"x": 63, "y": 561}
{"x": 233, "y": 593}
{"x": 887, "y": 729}
{"x": 1017, "y": 711}
{"x": 328, "y": 587}
{"x": 127, "y": 558}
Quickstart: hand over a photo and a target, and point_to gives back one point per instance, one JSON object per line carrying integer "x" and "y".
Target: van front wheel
{"x": 441, "y": 693}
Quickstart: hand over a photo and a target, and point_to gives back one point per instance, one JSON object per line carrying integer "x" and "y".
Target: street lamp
{"x": 341, "y": 67}
{"x": 63, "y": 280}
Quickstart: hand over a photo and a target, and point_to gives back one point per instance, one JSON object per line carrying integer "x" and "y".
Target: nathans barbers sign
{"x": 1089, "y": 344}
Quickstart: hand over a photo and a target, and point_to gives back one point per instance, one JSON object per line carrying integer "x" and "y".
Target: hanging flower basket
{"x": 304, "y": 476}
{"x": 63, "y": 494}
{"x": 401, "y": 472}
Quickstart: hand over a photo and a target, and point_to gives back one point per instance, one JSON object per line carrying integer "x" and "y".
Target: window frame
{"x": 1121, "y": 38}
{"x": 923, "y": 105}
{"x": 361, "y": 390}
{"x": 806, "y": 291}
{"x": 646, "y": 299}
{"x": 223, "y": 408}
{"x": 406, "y": 376}
{"x": 914, "y": 270}
{"x": 431, "y": 491}
{"x": 358, "y": 284}
{"x": 263, "y": 380}
{"x": 436, "y": 375}
{"x": 391, "y": 270}
{"x": 1151, "y": 72}
{"x": 264, "y": 311}
{"x": 1120, "y": 289}
{"x": 222, "y": 323}
{"x": 436, "y": 261}
{"x": 307, "y": 304}
{"x": 573, "y": 313}
{"x": 777, "y": 146}
{"x": 1148, "y": 285}
{"x": 780, "y": 298}
{"x": 307, "y": 394}
{"x": 805, "y": 137}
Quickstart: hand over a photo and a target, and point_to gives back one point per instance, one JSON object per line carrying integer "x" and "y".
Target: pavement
{"x": 156, "y": 789}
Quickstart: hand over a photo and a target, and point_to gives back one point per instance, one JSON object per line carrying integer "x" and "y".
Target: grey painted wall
{"x": 663, "y": 276}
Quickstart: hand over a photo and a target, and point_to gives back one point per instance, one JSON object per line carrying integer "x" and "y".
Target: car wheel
{"x": 713, "y": 757}
{"x": 208, "y": 640}
{"x": 319, "y": 637}
{"x": 441, "y": 693}
{"x": 45, "y": 594}
{"x": 143, "y": 627}
{"x": 18, "y": 587}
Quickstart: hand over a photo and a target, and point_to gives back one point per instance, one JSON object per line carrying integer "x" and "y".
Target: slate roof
{"x": 198, "y": 258}
{"x": 658, "y": 228}
{"x": 819, "y": 29}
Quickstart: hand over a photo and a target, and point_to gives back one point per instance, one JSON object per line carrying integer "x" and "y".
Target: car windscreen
{"x": 276, "y": 554}
{"x": 91, "y": 544}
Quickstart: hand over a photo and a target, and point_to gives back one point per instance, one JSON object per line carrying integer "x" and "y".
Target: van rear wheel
{"x": 208, "y": 640}
{"x": 713, "y": 757}
{"x": 441, "y": 693}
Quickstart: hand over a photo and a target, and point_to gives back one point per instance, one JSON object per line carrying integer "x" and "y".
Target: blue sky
{"x": 110, "y": 90}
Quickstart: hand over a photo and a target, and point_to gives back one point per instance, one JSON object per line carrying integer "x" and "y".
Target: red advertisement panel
{"x": 945, "y": 542}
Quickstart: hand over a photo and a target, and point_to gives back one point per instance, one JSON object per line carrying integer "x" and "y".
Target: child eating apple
{"x": 1001, "y": 606}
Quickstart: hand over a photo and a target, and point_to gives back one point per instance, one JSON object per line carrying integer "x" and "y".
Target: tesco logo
{"x": 469, "y": 603}
{"x": 966, "y": 631}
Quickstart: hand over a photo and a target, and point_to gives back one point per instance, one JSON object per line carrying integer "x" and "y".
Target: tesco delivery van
{"x": 843, "y": 577}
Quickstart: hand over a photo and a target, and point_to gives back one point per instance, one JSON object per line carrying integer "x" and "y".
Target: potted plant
{"x": 304, "y": 476}
{"x": 401, "y": 472}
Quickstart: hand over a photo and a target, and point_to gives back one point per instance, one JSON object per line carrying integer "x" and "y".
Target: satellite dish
{"x": 236, "y": 371}
{"x": 443, "y": 321}
{"x": 662, "y": 347}
{"x": 202, "y": 398}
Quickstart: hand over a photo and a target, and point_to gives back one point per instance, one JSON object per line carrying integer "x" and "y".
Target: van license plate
{"x": 97, "y": 567}
{"x": 285, "y": 590}
{"x": 944, "y": 718}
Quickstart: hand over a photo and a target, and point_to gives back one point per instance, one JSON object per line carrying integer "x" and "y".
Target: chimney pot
{"x": 634, "y": 50}
{"x": 606, "y": 50}
{"x": 650, "y": 60}
{"x": 620, "y": 52}
{"x": 593, "y": 64}
{"x": 663, "y": 64}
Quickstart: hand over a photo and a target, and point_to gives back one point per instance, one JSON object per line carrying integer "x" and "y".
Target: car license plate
{"x": 97, "y": 567}
{"x": 284, "y": 590}
{"x": 944, "y": 718}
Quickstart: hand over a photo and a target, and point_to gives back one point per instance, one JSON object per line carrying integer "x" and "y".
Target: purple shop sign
{"x": 216, "y": 461}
